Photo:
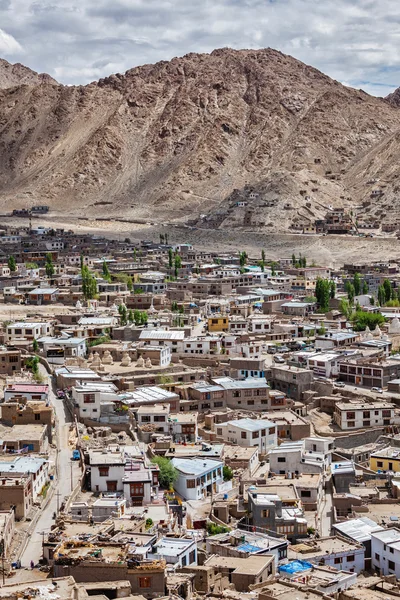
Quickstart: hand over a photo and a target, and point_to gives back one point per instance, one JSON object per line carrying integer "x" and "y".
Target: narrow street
{"x": 67, "y": 475}
{"x": 326, "y": 511}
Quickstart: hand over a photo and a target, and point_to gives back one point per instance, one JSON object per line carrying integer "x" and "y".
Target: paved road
{"x": 67, "y": 478}
{"x": 326, "y": 511}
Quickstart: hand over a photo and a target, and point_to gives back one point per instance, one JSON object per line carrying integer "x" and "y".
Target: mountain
{"x": 189, "y": 139}
{"x": 15, "y": 75}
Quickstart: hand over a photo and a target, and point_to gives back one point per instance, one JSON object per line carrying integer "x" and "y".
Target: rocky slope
{"x": 190, "y": 138}
{"x": 17, "y": 74}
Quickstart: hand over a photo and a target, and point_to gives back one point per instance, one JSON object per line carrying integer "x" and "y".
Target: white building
{"x": 357, "y": 415}
{"x": 88, "y": 397}
{"x": 37, "y": 468}
{"x": 311, "y": 455}
{"x": 385, "y": 552}
{"x": 324, "y": 364}
{"x": 30, "y": 391}
{"x": 162, "y": 337}
{"x": 23, "y": 330}
{"x": 107, "y": 469}
{"x": 56, "y": 350}
{"x": 179, "y": 552}
{"x": 250, "y": 432}
{"x": 197, "y": 477}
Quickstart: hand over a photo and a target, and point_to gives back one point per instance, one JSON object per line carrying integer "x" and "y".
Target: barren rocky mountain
{"x": 15, "y": 75}
{"x": 235, "y": 139}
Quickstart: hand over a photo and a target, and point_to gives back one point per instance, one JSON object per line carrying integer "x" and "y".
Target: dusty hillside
{"x": 191, "y": 137}
{"x": 17, "y": 74}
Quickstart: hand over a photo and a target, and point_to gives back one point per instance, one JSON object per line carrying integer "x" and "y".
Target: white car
{"x": 378, "y": 390}
{"x": 340, "y": 384}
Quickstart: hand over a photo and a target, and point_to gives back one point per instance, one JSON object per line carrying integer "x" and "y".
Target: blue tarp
{"x": 295, "y": 566}
{"x": 248, "y": 548}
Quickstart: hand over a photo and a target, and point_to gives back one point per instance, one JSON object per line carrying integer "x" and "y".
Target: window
{"x": 192, "y": 556}
{"x": 271, "y": 431}
{"x": 248, "y": 393}
{"x": 145, "y": 582}
{"x": 306, "y": 493}
{"x": 145, "y": 418}
{"x": 350, "y": 415}
{"x": 391, "y": 550}
{"x": 89, "y": 398}
{"x": 104, "y": 471}
{"x": 159, "y": 419}
{"x": 377, "y": 557}
{"x": 366, "y": 414}
{"x": 190, "y": 484}
{"x": 136, "y": 489}
{"x": 255, "y": 435}
{"x": 338, "y": 560}
{"x": 37, "y": 417}
{"x": 243, "y": 435}
{"x": 391, "y": 565}
{"x": 263, "y": 432}
{"x": 366, "y": 423}
{"x": 351, "y": 423}
{"x": 281, "y": 459}
{"x": 184, "y": 561}
{"x": 350, "y": 558}
{"x": 265, "y": 513}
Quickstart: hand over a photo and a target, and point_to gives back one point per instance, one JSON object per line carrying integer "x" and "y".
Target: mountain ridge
{"x": 186, "y": 139}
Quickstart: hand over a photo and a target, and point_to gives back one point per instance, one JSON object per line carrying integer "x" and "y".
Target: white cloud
{"x": 356, "y": 41}
{"x": 8, "y": 44}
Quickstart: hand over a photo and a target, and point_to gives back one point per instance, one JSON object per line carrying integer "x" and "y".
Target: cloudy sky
{"x": 77, "y": 41}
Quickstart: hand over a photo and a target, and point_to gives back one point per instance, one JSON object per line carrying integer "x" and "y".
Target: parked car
{"x": 340, "y": 384}
{"x": 76, "y": 454}
{"x": 279, "y": 359}
{"x": 378, "y": 390}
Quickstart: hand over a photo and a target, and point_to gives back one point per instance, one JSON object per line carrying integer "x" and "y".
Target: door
{"x": 111, "y": 486}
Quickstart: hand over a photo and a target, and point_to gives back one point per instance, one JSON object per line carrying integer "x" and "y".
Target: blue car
{"x": 76, "y": 455}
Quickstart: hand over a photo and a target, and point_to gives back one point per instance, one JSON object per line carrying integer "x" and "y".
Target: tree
{"x": 89, "y": 283}
{"x": 332, "y": 290}
{"x": 361, "y": 319}
{"x": 129, "y": 283}
{"x": 12, "y": 264}
{"x": 136, "y": 316}
{"x": 294, "y": 259}
{"x": 323, "y": 293}
{"x": 106, "y": 271}
{"x": 388, "y": 289}
{"x": 381, "y": 295}
{"x": 123, "y": 314}
{"x": 263, "y": 255}
{"x": 344, "y": 307}
{"x": 350, "y": 291}
{"x": 174, "y": 306}
{"x": 130, "y": 316}
{"x": 49, "y": 265}
{"x": 161, "y": 238}
{"x": 242, "y": 259}
{"x": 261, "y": 265}
{"x": 273, "y": 268}
{"x": 365, "y": 287}
{"x": 177, "y": 264}
{"x": 167, "y": 474}
{"x": 35, "y": 345}
{"x": 143, "y": 317}
{"x": 170, "y": 258}
{"x": 227, "y": 473}
{"x": 357, "y": 284}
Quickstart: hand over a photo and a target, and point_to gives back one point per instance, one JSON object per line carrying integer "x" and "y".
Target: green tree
{"x": 227, "y": 473}
{"x": 49, "y": 265}
{"x": 261, "y": 264}
{"x": 170, "y": 258}
{"x": 12, "y": 264}
{"x": 332, "y": 290}
{"x": 130, "y": 316}
{"x": 177, "y": 264}
{"x": 388, "y": 289}
{"x": 361, "y": 319}
{"x": 242, "y": 259}
{"x": 143, "y": 317}
{"x": 123, "y": 314}
{"x": 357, "y": 284}
{"x": 381, "y": 295}
{"x": 136, "y": 316}
{"x": 263, "y": 256}
{"x": 350, "y": 292}
{"x": 273, "y": 268}
{"x": 35, "y": 345}
{"x": 129, "y": 283}
{"x": 365, "y": 287}
{"x": 89, "y": 283}
{"x": 106, "y": 271}
{"x": 294, "y": 259}
{"x": 323, "y": 293}
{"x": 174, "y": 306}
{"x": 167, "y": 474}
{"x": 344, "y": 307}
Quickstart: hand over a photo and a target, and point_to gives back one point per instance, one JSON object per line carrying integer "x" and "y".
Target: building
{"x": 25, "y": 330}
{"x": 359, "y": 530}
{"x": 293, "y": 381}
{"x": 30, "y": 438}
{"x": 277, "y": 510}
{"x": 43, "y": 295}
{"x": 356, "y": 415}
{"x": 26, "y": 391}
{"x": 312, "y": 455}
{"x": 10, "y": 361}
{"x": 16, "y": 493}
{"x": 335, "y": 551}
{"x": 36, "y": 468}
{"x": 249, "y": 432}
{"x": 57, "y": 350}
{"x": 197, "y": 478}
{"x": 385, "y": 552}
{"x": 218, "y": 323}
{"x": 240, "y": 543}
{"x": 385, "y": 460}
{"x": 107, "y": 469}
{"x": 243, "y": 572}
{"x": 179, "y": 552}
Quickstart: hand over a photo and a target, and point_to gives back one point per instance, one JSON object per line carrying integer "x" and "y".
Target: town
{"x": 186, "y": 423}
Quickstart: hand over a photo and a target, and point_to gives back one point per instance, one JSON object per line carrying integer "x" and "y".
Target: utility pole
{"x": 72, "y": 479}
{"x": 58, "y": 494}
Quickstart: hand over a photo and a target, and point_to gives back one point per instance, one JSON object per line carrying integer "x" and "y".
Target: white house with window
{"x": 25, "y": 330}
{"x": 197, "y": 477}
{"x": 37, "y": 468}
{"x": 107, "y": 470}
{"x": 250, "y": 432}
{"x": 385, "y": 552}
{"x": 311, "y": 455}
{"x": 178, "y": 552}
{"x": 90, "y": 395}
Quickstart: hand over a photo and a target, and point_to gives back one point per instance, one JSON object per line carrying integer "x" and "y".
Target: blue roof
{"x": 248, "y": 548}
{"x": 295, "y": 566}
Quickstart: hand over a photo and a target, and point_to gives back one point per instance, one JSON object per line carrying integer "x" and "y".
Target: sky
{"x": 356, "y": 42}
